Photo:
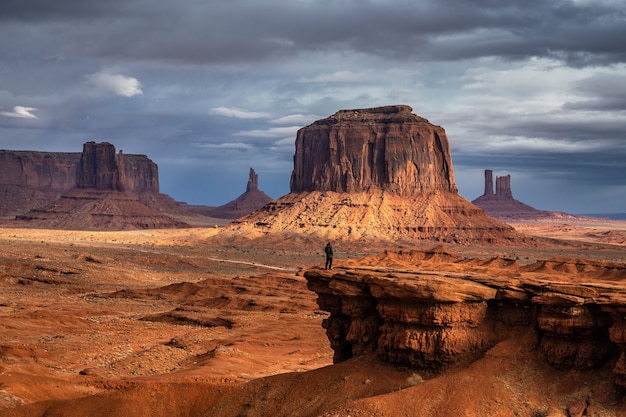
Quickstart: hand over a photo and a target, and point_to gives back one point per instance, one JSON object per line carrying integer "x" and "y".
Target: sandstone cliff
{"x": 378, "y": 174}
{"x": 30, "y": 179}
{"x": 33, "y": 179}
{"x": 433, "y": 309}
{"x": 94, "y": 190}
{"x": 386, "y": 148}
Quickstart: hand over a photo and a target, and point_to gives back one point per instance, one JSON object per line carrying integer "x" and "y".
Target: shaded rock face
{"x": 30, "y": 179}
{"x": 431, "y": 319}
{"x": 502, "y": 205}
{"x": 55, "y": 171}
{"x": 388, "y": 148}
{"x": 243, "y": 205}
{"x": 253, "y": 181}
{"x": 99, "y": 167}
{"x": 33, "y": 179}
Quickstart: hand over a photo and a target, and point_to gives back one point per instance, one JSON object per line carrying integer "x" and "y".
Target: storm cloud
{"x": 207, "y": 89}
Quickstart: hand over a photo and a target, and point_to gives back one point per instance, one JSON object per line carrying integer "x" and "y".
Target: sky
{"x": 207, "y": 89}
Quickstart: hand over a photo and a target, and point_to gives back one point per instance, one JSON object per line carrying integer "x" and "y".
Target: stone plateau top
{"x": 387, "y": 148}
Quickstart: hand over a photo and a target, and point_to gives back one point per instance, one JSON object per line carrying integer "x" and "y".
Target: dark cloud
{"x": 249, "y": 31}
{"x": 531, "y": 86}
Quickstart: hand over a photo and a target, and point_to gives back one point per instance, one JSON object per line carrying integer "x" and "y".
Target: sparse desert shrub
{"x": 540, "y": 413}
{"x": 414, "y": 379}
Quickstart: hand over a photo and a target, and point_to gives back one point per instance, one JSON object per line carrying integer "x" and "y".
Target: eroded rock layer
{"x": 379, "y": 174}
{"x": 376, "y": 215}
{"x": 431, "y": 316}
{"x": 246, "y": 203}
{"x": 31, "y": 180}
{"x": 387, "y": 148}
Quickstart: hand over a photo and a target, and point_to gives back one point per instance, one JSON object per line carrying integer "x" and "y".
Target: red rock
{"x": 387, "y": 148}
{"x": 427, "y": 315}
{"x": 94, "y": 190}
{"x": 374, "y": 174}
{"x": 30, "y": 179}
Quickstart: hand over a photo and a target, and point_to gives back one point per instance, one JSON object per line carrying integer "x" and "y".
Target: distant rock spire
{"x": 502, "y": 205}
{"x": 246, "y": 203}
{"x": 253, "y": 181}
{"x": 488, "y": 182}
{"x": 503, "y": 187}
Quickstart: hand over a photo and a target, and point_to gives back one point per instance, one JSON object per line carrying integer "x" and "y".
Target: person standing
{"x": 329, "y": 256}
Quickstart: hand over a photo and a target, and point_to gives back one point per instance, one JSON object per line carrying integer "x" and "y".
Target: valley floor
{"x": 101, "y": 323}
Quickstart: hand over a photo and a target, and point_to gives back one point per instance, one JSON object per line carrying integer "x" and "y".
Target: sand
{"x": 177, "y": 322}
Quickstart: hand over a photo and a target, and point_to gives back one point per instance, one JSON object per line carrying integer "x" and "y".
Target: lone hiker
{"x": 329, "y": 256}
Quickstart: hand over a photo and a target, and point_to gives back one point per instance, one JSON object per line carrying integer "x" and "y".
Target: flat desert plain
{"x": 185, "y": 323}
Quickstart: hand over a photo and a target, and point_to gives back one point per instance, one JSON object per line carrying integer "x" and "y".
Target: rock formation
{"x": 502, "y": 205}
{"x": 386, "y": 148}
{"x": 243, "y": 205}
{"x": 100, "y": 168}
{"x": 34, "y": 179}
{"x": 445, "y": 309}
{"x": 381, "y": 174}
{"x": 94, "y": 190}
{"x": 30, "y": 179}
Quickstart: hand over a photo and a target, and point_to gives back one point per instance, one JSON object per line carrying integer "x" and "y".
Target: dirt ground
{"x": 182, "y": 323}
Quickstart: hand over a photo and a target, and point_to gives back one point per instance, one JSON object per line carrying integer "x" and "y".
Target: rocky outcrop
{"x": 99, "y": 167}
{"x": 502, "y": 205}
{"x": 30, "y": 179}
{"x": 243, "y": 205}
{"x": 431, "y": 316}
{"x": 387, "y": 148}
{"x": 94, "y": 190}
{"x": 98, "y": 209}
{"x": 33, "y": 179}
{"x": 253, "y": 182}
{"x": 380, "y": 174}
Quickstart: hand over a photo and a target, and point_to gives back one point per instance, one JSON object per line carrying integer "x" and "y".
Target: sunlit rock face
{"x": 387, "y": 148}
{"x": 378, "y": 174}
{"x": 429, "y": 317}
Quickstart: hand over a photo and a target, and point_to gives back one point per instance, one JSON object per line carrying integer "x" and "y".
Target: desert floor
{"x": 177, "y": 322}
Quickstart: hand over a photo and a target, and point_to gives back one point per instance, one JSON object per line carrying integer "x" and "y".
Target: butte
{"x": 252, "y": 199}
{"x": 108, "y": 191}
{"x": 376, "y": 174}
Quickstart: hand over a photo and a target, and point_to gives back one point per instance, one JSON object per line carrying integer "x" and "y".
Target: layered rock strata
{"x": 430, "y": 319}
{"x": 387, "y": 148}
{"x": 30, "y": 179}
{"x": 382, "y": 174}
{"x": 110, "y": 192}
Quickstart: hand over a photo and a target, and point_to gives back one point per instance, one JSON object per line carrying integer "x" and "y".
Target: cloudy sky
{"x": 209, "y": 88}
